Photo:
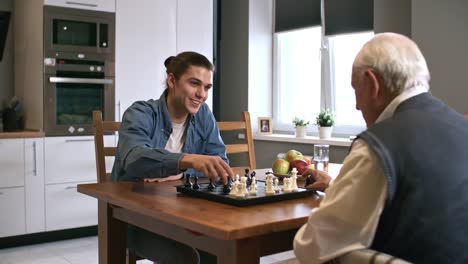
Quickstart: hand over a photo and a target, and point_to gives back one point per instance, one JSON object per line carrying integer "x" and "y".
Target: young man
{"x": 159, "y": 139}
{"x": 402, "y": 188}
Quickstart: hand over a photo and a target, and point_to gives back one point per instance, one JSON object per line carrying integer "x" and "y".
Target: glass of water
{"x": 321, "y": 157}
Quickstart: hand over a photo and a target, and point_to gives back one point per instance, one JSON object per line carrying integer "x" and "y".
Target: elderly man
{"x": 402, "y": 188}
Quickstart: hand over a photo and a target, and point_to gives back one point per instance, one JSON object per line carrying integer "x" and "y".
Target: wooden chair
{"x": 100, "y": 128}
{"x": 247, "y": 147}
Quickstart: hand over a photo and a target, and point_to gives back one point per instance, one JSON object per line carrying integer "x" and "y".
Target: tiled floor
{"x": 84, "y": 251}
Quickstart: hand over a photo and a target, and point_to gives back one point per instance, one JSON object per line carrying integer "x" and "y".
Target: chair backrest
{"x": 100, "y": 128}
{"x": 247, "y": 147}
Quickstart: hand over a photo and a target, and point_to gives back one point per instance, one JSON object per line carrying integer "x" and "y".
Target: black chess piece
{"x": 249, "y": 179}
{"x": 195, "y": 186}
{"x": 251, "y": 176}
{"x": 188, "y": 183}
{"x": 226, "y": 189}
{"x": 211, "y": 186}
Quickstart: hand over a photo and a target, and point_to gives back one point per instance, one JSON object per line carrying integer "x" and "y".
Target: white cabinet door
{"x": 11, "y": 162}
{"x": 67, "y": 208}
{"x": 34, "y": 184}
{"x": 69, "y": 159}
{"x": 72, "y": 159}
{"x": 145, "y": 37}
{"x": 98, "y": 5}
{"x": 12, "y": 219}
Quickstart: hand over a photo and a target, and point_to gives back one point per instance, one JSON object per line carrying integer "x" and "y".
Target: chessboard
{"x": 260, "y": 197}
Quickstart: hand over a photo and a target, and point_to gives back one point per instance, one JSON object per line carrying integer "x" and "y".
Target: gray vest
{"x": 423, "y": 149}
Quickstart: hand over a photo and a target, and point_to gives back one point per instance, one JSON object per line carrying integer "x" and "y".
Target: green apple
{"x": 280, "y": 166}
{"x": 293, "y": 155}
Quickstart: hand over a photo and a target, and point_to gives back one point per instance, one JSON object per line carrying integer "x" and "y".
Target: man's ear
{"x": 374, "y": 83}
{"x": 170, "y": 81}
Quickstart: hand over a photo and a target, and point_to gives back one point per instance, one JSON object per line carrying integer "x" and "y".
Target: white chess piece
{"x": 294, "y": 180}
{"x": 240, "y": 190}
{"x": 269, "y": 184}
{"x": 287, "y": 184}
{"x": 233, "y": 191}
{"x": 277, "y": 189}
{"x": 253, "y": 187}
{"x": 244, "y": 183}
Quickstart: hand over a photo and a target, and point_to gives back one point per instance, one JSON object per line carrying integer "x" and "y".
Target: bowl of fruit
{"x": 292, "y": 159}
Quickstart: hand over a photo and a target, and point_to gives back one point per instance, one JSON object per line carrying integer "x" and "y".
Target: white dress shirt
{"x": 348, "y": 215}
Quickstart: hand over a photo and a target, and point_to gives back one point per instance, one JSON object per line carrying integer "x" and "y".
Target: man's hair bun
{"x": 168, "y": 60}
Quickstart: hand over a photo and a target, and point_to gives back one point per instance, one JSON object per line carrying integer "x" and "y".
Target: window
{"x": 303, "y": 85}
{"x": 296, "y": 76}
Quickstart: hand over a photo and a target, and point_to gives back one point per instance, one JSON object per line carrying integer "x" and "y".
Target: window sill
{"x": 342, "y": 142}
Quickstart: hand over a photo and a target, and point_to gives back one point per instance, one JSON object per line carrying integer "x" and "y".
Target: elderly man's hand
{"x": 316, "y": 179}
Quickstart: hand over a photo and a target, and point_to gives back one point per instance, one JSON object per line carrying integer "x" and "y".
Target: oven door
{"x": 70, "y": 102}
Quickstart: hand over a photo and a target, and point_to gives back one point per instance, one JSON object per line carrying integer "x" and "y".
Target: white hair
{"x": 397, "y": 59}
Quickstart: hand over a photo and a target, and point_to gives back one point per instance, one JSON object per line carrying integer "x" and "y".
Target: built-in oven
{"x": 75, "y": 85}
{"x": 78, "y": 30}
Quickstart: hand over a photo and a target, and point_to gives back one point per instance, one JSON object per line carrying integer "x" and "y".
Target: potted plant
{"x": 300, "y": 124}
{"x": 325, "y": 121}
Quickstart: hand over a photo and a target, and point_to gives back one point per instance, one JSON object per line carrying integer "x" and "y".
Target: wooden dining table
{"x": 233, "y": 234}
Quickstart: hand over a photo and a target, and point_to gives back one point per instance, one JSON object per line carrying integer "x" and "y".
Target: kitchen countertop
{"x": 22, "y": 134}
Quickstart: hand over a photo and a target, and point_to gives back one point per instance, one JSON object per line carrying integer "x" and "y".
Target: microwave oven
{"x": 78, "y": 30}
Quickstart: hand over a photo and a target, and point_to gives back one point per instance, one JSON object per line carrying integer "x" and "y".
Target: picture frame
{"x": 265, "y": 126}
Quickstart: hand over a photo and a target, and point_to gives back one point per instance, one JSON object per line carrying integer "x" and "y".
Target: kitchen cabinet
{"x": 149, "y": 32}
{"x": 67, "y": 208}
{"x": 21, "y": 186}
{"x": 70, "y": 161}
{"x": 34, "y": 184}
{"x": 98, "y": 5}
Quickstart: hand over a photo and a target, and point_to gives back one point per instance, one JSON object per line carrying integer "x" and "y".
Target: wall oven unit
{"x": 78, "y": 30}
{"x": 79, "y": 69}
{"x": 74, "y": 88}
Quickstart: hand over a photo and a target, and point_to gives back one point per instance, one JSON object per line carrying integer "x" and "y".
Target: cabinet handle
{"x": 70, "y": 187}
{"x": 79, "y": 140}
{"x": 119, "y": 112}
{"x": 81, "y": 4}
{"x": 34, "y": 159}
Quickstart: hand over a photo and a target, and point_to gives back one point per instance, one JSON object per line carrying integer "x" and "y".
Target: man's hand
{"x": 316, "y": 179}
{"x": 211, "y": 166}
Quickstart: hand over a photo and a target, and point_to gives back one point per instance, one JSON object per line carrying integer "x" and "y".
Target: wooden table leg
{"x": 112, "y": 236}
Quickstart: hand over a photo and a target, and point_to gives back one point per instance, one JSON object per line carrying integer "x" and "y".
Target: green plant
{"x": 325, "y": 118}
{"x": 300, "y": 122}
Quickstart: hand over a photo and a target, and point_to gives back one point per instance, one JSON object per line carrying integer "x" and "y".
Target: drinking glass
{"x": 321, "y": 157}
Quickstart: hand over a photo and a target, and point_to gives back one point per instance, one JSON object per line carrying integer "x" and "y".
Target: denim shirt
{"x": 144, "y": 132}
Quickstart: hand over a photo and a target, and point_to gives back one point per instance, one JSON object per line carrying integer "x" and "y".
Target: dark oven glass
{"x": 76, "y": 102}
{"x": 76, "y": 33}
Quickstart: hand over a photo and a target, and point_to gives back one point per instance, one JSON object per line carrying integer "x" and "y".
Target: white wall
{"x": 6, "y": 65}
{"x": 260, "y": 56}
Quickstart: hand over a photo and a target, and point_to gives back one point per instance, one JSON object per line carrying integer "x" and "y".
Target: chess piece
{"x": 249, "y": 179}
{"x": 227, "y": 189}
{"x": 253, "y": 186}
{"x": 240, "y": 189}
{"x": 294, "y": 187}
{"x": 233, "y": 191}
{"x": 188, "y": 183}
{"x": 277, "y": 188}
{"x": 244, "y": 182}
{"x": 269, "y": 184}
{"x": 195, "y": 186}
{"x": 211, "y": 186}
{"x": 287, "y": 184}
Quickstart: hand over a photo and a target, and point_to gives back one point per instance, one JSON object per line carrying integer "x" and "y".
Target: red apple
{"x": 293, "y": 155}
{"x": 300, "y": 165}
{"x": 280, "y": 166}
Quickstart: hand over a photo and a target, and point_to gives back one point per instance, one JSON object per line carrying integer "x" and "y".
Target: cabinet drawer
{"x": 98, "y": 5}
{"x": 72, "y": 159}
{"x": 67, "y": 208}
{"x": 12, "y": 220}
{"x": 11, "y": 162}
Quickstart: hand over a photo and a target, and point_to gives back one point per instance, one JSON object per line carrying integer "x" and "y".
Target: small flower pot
{"x": 325, "y": 132}
{"x": 301, "y": 131}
